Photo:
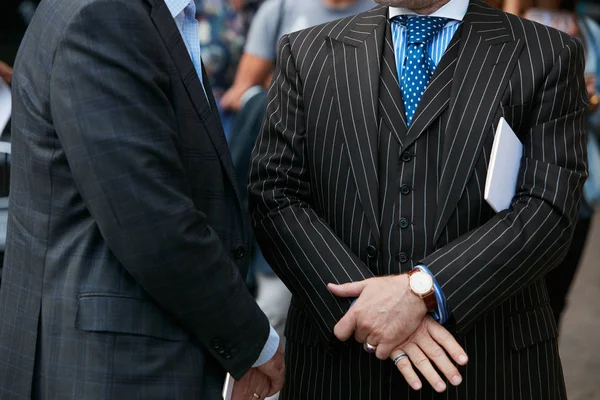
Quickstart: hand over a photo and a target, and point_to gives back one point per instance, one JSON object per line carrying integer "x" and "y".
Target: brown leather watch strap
{"x": 430, "y": 301}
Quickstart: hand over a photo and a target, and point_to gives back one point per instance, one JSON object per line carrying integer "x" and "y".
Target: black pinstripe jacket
{"x": 336, "y": 167}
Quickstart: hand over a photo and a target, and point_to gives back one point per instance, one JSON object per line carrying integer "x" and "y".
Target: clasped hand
{"x": 262, "y": 381}
{"x": 386, "y": 314}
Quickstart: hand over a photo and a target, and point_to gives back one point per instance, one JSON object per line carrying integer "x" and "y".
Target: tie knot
{"x": 422, "y": 29}
{"x": 190, "y": 10}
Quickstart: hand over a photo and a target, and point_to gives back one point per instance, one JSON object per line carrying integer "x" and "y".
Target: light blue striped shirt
{"x": 454, "y": 10}
{"x": 184, "y": 14}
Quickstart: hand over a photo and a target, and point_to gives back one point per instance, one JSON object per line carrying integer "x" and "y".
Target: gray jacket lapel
{"x": 204, "y": 104}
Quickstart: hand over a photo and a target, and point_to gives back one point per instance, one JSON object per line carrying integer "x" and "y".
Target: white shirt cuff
{"x": 269, "y": 350}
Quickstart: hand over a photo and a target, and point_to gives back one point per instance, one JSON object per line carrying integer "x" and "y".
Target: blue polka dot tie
{"x": 418, "y": 66}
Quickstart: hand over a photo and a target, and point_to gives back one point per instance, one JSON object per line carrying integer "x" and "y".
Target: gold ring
{"x": 257, "y": 396}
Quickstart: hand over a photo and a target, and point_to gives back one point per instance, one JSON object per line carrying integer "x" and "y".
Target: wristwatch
{"x": 421, "y": 284}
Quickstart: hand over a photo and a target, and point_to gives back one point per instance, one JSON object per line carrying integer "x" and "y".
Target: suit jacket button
{"x": 404, "y": 223}
{"x": 371, "y": 251}
{"x": 405, "y": 189}
{"x": 402, "y": 257}
{"x": 239, "y": 252}
{"x": 406, "y": 156}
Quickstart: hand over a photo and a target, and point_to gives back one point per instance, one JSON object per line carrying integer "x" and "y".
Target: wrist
{"x": 441, "y": 313}
{"x": 415, "y": 302}
{"x": 422, "y": 285}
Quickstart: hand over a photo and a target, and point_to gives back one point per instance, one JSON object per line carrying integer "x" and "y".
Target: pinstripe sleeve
{"x": 480, "y": 270}
{"x": 296, "y": 242}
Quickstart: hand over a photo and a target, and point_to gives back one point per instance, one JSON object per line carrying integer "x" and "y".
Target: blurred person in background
{"x": 15, "y": 15}
{"x": 519, "y": 7}
{"x": 12, "y": 28}
{"x": 127, "y": 243}
{"x": 590, "y": 9}
{"x": 273, "y": 19}
{"x": 564, "y": 16}
{"x": 14, "y": 18}
{"x": 223, "y": 27}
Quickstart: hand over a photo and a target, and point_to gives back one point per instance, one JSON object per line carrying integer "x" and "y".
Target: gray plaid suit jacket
{"x": 336, "y": 168}
{"x": 127, "y": 244}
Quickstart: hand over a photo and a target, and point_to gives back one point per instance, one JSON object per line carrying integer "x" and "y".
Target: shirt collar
{"x": 176, "y": 7}
{"x": 454, "y": 9}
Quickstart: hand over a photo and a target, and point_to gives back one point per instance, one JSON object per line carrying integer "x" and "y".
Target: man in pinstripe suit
{"x": 350, "y": 186}
{"x": 127, "y": 243}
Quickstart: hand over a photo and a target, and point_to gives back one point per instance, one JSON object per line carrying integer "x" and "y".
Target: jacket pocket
{"x": 300, "y": 329}
{"x": 530, "y": 327}
{"x": 516, "y": 116}
{"x": 98, "y": 312}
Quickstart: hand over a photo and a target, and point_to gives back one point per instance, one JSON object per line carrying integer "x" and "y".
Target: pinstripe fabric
{"x": 127, "y": 243}
{"x": 325, "y": 183}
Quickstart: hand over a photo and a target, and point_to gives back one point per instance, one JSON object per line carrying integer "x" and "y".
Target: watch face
{"x": 421, "y": 282}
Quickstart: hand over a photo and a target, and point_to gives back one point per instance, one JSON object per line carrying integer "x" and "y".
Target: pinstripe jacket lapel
{"x": 392, "y": 141}
{"x": 391, "y": 106}
{"x": 487, "y": 56}
{"x": 356, "y": 92}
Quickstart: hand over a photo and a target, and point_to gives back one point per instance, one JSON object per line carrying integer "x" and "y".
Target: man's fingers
{"x": 362, "y": 335}
{"x": 353, "y": 289}
{"x": 274, "y": 369}
{"x": 440, "y": 359}
{"x": 345, "y": 326}
{"x": 263, "y": 386}
{"x": 5, "y": 72}
{"x": 272, "y": 390}
{"x": 276, "y": 384}
{"x": 448, "y": 342}
{"x": 420, "y": 360}
{"x": 406, "y": 369}
{"x": 384, "y": 351}
{"x": 253, "y": 382}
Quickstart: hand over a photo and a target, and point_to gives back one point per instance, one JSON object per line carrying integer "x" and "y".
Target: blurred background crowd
{"x": 238, "y": 40}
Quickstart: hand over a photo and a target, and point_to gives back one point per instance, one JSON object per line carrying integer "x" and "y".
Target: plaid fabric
{"x": 127, "y": 245}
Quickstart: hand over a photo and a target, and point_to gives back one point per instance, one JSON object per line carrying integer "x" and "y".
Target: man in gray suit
{"x": 127, "y": 246}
